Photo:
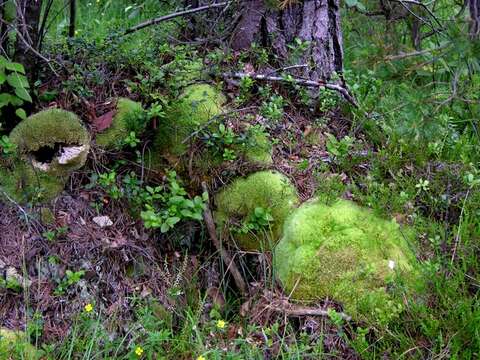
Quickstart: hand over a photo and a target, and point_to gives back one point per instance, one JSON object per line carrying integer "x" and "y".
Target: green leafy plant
{"x": 7, "y": 146}
{"x": 273, "y": 109}
{"x": 339, "y": 149}
{"x": 108, "y": 182}
{"x": 222, "y": 141}
{"x": 246, "y": 85}
{"x": 14, "y": 86}
{"x": 132, "y": 140}
{"x": 168, "y": 206}
{"x": 260, "y": 219}
{"x": 71, "y": 278}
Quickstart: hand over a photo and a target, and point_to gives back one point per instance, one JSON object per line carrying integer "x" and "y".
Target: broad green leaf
{"x": 23, "y": 94}
{"x": 3, "y": 77}
{"x": 351, "y": 3}
{"x": 15, "y": 67}
{"x": 18, "y": 81}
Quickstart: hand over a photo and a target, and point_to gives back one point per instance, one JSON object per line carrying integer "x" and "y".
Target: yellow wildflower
{"x": 88, "y": 308}
{"x": 201, "y": 358}
{"x": 139, "y": 351}
{"x": 221, "y": 324}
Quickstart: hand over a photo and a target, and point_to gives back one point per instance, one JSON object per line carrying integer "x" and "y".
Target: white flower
{"x": 391, "y": 264}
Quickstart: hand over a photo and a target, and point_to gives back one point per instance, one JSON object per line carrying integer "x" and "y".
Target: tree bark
{"x": 28, "y": 21}
{"x": 314, "y": 21}
{"x": 73, "y": 18}
{"x": 474, "y": 7}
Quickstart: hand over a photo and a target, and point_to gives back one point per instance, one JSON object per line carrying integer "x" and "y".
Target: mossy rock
{"x": 128, "y": 117}
{"x": 54, "y": 141}
{"x": 346, "y": 253}
{"x": 238, "y": 201}
{"x": 15, "y": 344}
{"x": 195, "y": 107}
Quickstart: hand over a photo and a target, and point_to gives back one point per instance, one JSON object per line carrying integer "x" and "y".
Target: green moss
{"x": 195, "y": 107}
{"x": 258, "y": 149}
{"x": 47, "y": 216}
{"x": 343, "y": 252}
{"x": 25, "y": 183}
{"x": 126, "y": 119}
{"x": 50, "y": 145}
{"x": 53, "y": 140}
{"x": 16, "y": 345}
{"x": 236, "y": 202}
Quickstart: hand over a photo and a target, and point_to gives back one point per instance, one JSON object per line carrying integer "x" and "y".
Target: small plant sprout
{"x": 132, "y": 140}
{"x": 423, "y": 185}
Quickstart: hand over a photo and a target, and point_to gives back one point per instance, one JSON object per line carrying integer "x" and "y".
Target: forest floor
{"x": 124, "y": 291}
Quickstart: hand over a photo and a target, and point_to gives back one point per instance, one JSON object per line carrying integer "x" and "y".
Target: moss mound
{"x": 195, "y": 107}
{"x": 26, "y": 183}
{"x": 50, "y": 145}
{"x": 128, "y": 117}
{"x": 345, "y": 253}
{"x": 238, "y": 202}
{"x": 15, "y": 344}
{"x": 54, "y": 141}
{"x": 259, "y": 148}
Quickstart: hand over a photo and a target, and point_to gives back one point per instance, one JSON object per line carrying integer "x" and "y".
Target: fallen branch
{"x": 414, "y": 53}
{"x": 237, "y": 277}
{"x": 309, "y": 83}
{"x": 172, "y": 16}
{"x": 298, "y": 310}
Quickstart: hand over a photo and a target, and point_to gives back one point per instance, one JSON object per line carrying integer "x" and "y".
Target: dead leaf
{"x": 103, "y": 122}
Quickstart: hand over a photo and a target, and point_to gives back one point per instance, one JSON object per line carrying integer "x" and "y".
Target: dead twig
{"x": 299, "y": 310}
{"x": 172, "y": 16}
{"x": 309, "y": 83}
{"x": 227, "y": 259}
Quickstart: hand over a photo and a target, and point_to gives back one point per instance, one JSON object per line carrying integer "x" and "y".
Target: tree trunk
{"x": 73, "y": 18}
{"x": 28, "y": 21}
{"x": 474, "y": 7}
{"x": 316, "y": 22}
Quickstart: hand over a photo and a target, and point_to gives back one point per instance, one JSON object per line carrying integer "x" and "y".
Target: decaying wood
{"x": 227, "y": 259}
{"x": 309, "y": 83}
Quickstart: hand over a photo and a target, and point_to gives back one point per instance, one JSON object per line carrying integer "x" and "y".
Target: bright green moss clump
{"x": 258, "y": 149}
{"x": 16, "y": 345}
{"x": 195, "y": 107}
{"x": 237, "y": 202}
{"x": 127, "y": 118}
{"x": 345, "y": 253}
{"x": 53, "y": 140}
{"x": 50, "y": 145}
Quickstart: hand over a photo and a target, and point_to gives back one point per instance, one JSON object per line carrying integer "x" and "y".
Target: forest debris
{"x": 309, "y": 83}
{"x": 227, "y": 259}
{"x": 102, "y": 221}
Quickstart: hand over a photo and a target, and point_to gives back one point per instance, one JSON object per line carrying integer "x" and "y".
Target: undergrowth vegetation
{"x": 122, "y": 266}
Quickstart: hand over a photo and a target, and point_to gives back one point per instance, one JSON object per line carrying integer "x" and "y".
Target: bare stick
{"x": 310, "y": 83}
{"x": 172, "y": 16}
{"x": 297, "y": 310}
{"x": 237, "y": 277}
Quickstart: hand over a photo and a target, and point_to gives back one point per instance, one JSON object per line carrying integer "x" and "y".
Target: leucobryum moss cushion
{"x": 345, "y": 253}
{"x": 194, "y": 108}
{"x": 54, "y": 141}
{"x": 50, "y": 145}
{"x": 127, "y": 118}
{"x": 237, "y": 202}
